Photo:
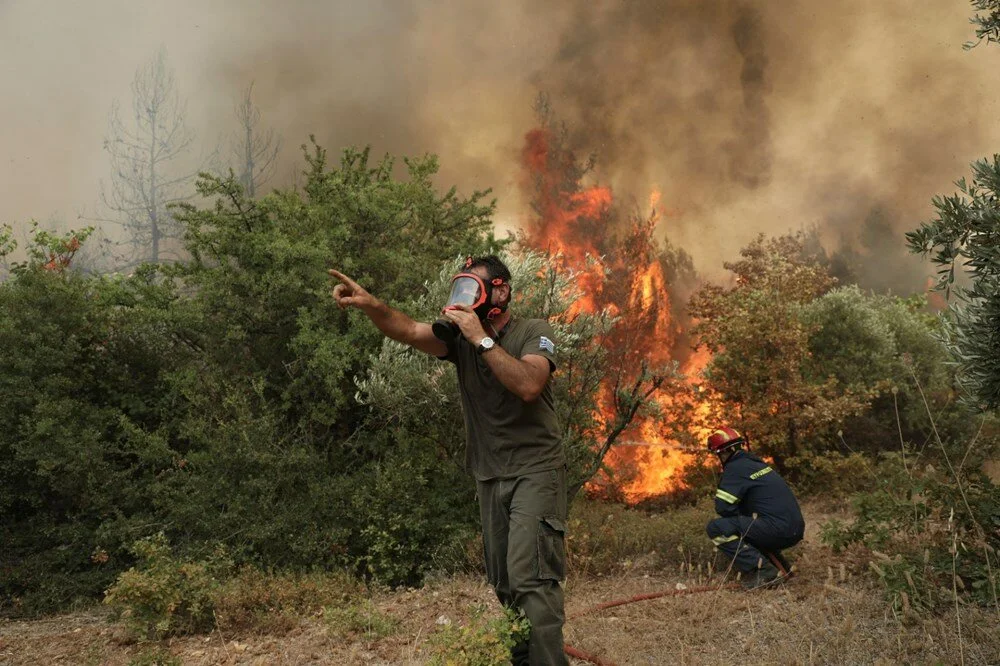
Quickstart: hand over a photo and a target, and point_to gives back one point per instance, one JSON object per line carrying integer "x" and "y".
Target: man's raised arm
{"x": 393, "y": 323}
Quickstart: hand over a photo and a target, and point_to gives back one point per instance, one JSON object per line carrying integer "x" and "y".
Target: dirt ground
{"x": 822, "y": 616}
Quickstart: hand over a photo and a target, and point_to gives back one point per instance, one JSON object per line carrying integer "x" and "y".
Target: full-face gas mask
{"x": 471, "y": 290}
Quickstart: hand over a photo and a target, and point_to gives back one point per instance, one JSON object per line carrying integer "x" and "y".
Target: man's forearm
{"x": 393, "y": 323}
{"x": 517, "y": 376}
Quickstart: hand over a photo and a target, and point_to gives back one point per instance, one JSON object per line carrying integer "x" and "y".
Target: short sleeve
{"x": 540, "y": 341}
{"x": 452, "y": 355}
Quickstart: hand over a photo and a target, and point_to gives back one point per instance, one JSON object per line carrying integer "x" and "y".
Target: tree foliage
{"x": 987, "y": 22}
{"x": 760, "y": 348}
{"x": 214, "y": 400}
{"x": 807, "y": 368}
{"x": 890, "y": 349}
{"x": 965, "y": 236}
{"x": 82, "y": 375}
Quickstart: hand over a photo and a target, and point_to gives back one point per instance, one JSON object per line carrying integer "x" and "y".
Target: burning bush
{"x": 624, "y": 274}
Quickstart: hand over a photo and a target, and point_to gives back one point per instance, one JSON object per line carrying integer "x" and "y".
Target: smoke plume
{"x": 747, "y": 116}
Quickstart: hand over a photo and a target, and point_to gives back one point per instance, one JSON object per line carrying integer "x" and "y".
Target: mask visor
{"x": 467, "y": 289}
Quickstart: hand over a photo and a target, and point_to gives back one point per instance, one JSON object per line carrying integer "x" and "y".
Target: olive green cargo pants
{"x": 524, "y": 525}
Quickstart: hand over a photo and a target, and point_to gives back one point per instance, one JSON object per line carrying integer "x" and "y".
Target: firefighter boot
{"x": 765, "y": 576}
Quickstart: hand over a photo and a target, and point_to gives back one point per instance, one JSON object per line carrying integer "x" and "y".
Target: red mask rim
{"x": 482, "y": 287}
{"x": 484, "y": 293}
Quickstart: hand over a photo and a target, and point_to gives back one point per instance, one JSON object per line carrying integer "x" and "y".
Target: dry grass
{"x": 823, "y": 616}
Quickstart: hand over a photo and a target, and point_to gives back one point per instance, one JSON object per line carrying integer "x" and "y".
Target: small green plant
{"x": 163, "y": 595}
{"x": 836, "y": 534}
{"x": 93, "y": 654}
{"x": 360, "y": 618}
{"x": 156, "y": 656}
{"x": 483, "y": 641}
{"x": 909, "y": 582}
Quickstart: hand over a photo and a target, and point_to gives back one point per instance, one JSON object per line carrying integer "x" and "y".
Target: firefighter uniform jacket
{"x": 750, "y": 486}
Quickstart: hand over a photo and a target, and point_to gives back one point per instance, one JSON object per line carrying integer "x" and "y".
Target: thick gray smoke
{"x": 680, "y": 85}
{"x": 747, "y": 116}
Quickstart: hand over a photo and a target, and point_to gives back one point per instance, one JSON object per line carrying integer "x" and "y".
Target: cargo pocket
{"x": 551, "y": 549}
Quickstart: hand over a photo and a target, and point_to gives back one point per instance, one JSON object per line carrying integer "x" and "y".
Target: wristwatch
{"x": 485, "y": 345}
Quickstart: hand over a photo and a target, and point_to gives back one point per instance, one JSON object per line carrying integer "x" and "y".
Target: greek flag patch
{"x": 547, "y": 345}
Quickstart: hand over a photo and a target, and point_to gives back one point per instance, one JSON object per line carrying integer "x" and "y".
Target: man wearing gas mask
{"x": 513, "y": 446}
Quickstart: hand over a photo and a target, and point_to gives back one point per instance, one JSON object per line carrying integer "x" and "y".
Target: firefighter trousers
{"x": 524, "y": 525}
{"x": 743, "y": 538}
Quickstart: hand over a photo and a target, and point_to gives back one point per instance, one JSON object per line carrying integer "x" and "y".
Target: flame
{"x": 656, "y": 466}
{"x": 649, "y": 295}
{"x": 654, "y": 198}
{"x": 618, "y": 273}
{"x": 561, "y": 211}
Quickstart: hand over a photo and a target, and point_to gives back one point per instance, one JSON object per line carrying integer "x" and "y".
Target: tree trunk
{"x": 154, "y": 226}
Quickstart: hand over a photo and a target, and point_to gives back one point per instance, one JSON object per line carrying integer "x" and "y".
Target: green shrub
{"x": 164, "y": 595}
{"x": 82, "y": 375}
{"x": 925, "y": 544}
{"x": 214, "y": 399}
{"x": 274, "y": 603}
{"x": 831, "y": 474}
{"x": 484, "y": 641}
{"x": 410, "y": 513}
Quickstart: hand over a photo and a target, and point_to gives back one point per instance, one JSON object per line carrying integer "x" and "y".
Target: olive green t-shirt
{"x": 506, "y": 436}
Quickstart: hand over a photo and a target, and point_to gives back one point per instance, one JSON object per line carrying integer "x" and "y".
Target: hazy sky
{"x": 748, "y": 116}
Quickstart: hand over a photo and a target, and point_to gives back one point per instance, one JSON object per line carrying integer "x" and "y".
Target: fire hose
{"x": 597, "y": 661}
{"x": 779, "y": 562}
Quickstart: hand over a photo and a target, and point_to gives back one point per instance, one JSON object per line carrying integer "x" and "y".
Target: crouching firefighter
{"x": 758, "y": 514}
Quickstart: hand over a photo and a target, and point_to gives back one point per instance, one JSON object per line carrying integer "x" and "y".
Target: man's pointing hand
{"x": 349, "y": 292}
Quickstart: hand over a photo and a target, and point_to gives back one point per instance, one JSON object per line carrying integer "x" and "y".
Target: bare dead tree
{"x": 146, "y": 171}
{"x": 255, "y": 150}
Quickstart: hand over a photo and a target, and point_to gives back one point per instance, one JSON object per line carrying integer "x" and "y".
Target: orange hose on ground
{"x": 579, "y": 654}
{"x": 656, "y": 595}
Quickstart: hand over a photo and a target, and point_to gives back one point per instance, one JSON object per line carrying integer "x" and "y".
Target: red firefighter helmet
{"x": 724, "y": 438}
